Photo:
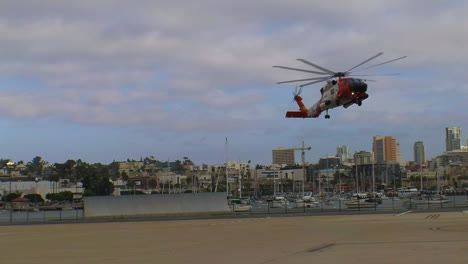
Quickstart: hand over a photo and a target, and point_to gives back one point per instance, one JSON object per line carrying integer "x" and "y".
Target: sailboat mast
{"x": 303, "y": 168}
{"x": 240, "y": 181}
{"x": 217, "y": 179}
{"x": 226, "y": 156}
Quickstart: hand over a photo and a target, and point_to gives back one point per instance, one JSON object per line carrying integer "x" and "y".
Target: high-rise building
{"x": 419, "y": 153}
{"x": 342, "y": 153}
{"x": 385, "y": 149}
{"x": 452, "y": 138}
{"x": 399, "y": 156}
{"x": 362, "y": 158}
{"x": 282, "y": 156}
{"x": 329, "y": 162}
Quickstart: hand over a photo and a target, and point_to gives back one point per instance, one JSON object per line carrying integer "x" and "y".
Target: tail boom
{"x": 303, "y": 111}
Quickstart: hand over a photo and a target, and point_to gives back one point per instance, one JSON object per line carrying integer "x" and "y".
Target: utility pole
{"x": 421, "y": 178}
{"x": 356, "y": 156}
{"x": 373, "y": 176}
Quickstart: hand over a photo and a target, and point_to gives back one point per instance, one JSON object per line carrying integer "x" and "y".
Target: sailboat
{"x": 238, "y": 203}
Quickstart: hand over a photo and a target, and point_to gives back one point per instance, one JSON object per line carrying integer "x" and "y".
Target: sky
{"x": 112, "y": 79}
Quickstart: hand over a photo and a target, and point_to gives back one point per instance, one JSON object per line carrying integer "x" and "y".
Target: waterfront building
{"x": 386, "y": 149}
{"x": 362, "y": 158}
{"x": 419, "y": 153}
{"x": 453, "y": 158}
{"x": 130, "y": 166}
{"x": 40, "y": 187}
{"x": 282, "y": 156}
{"x": 329, "y": 162}
{"x": 452, "y": 138}
{"x": 291, "y": 174}
{"x": 388, "y": 173}
{"x": 342, "y": 152}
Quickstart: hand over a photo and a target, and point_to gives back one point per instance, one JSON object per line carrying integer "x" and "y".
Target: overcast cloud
{"x": 184, "y": 75}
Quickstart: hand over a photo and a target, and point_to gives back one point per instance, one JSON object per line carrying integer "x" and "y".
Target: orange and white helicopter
{"x": 345, "y": 91}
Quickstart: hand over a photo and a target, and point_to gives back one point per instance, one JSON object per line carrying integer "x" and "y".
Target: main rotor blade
{"x": 316, "y": 66}
{"x": 371, "y": 58}
{"x": 305, "y": 84}
{"x": 381, "y": 74}
{"x": 301, "y": 80}
{"x": 302, "y": 70}
{"x": 381, "y": 64}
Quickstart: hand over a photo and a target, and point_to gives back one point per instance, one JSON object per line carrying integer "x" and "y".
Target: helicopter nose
{"x": 359, "y": 87}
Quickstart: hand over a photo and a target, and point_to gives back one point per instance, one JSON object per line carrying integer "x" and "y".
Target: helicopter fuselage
{"x": 344, "y": 92}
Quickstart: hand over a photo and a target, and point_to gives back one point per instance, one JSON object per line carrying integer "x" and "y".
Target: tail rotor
{"x": 297, "y": 91}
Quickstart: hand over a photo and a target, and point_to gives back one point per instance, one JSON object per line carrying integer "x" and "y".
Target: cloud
{"x": 206, "y": 66}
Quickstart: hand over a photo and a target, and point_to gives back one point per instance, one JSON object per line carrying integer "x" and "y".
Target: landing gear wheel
{"x": 327, "y": 116}
{"x": 359, "y": 103}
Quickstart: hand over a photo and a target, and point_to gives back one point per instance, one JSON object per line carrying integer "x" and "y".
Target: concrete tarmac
{"x": 408, "y": 238}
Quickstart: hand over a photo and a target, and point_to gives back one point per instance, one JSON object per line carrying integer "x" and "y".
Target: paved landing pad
{"x": 409, "y": 238}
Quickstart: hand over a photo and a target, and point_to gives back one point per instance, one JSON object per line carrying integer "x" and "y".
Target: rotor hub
{"x": 339, "y": 74}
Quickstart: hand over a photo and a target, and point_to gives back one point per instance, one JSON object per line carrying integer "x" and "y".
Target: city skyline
{"x": 171, "y": 80}
{"x": 388, "y": 144}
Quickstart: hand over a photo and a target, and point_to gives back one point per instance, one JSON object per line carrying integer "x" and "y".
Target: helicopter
{"x": 341, "y": 88}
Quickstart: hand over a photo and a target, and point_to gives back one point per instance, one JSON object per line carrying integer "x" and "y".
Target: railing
{"x": 392, "y": 204}
{"x": 31, "y": 217}
{"x": 455, "y": 202}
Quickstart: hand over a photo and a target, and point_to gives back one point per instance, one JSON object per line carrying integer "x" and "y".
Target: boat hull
{"x": 358, "y": 205}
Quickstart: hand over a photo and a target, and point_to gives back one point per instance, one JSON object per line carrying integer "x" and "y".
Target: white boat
{"x": 279, "y": 201}
{"x": 299, "y": 203}
{"x": 404, "y": 192}
{"x": 242, "y": 207}
{"x": 434, "y": 199}
{"x": 381, "y": 196}
{"x": 359, "y": 196}
{"x": 360, "y": 204}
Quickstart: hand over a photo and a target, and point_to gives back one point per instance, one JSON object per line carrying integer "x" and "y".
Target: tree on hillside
{"x": 124, "y": 176}
{"x": 187, "y": 161}
{"x": 81, "y": 169}
{"x": 114, "y": 170}
{"x": 178, "y": 167}
{"x": 61, "y": 196}
{"x": 36, "y": 165}
{"x": 11, "y": 196}
{"x": 97, "y": 180}
{"x": 34, "y": 197}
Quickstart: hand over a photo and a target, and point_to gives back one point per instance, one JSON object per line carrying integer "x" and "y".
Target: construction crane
{"x": 302, "y": 149}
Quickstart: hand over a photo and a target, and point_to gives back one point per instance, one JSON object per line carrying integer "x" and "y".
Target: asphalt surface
{"x": 423, "y": 237}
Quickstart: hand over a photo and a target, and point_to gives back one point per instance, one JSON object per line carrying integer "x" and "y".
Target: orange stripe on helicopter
{"x": 301, "y": 105}
{"x": 298, "y": 114}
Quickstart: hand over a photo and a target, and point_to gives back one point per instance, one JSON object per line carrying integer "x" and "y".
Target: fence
{"x": 392, "y": 204}
{"x": 456, "y": 202}
{"x": 31, "y": 217}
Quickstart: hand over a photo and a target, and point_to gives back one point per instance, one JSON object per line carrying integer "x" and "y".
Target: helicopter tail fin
{"x": 302, "y": 113}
